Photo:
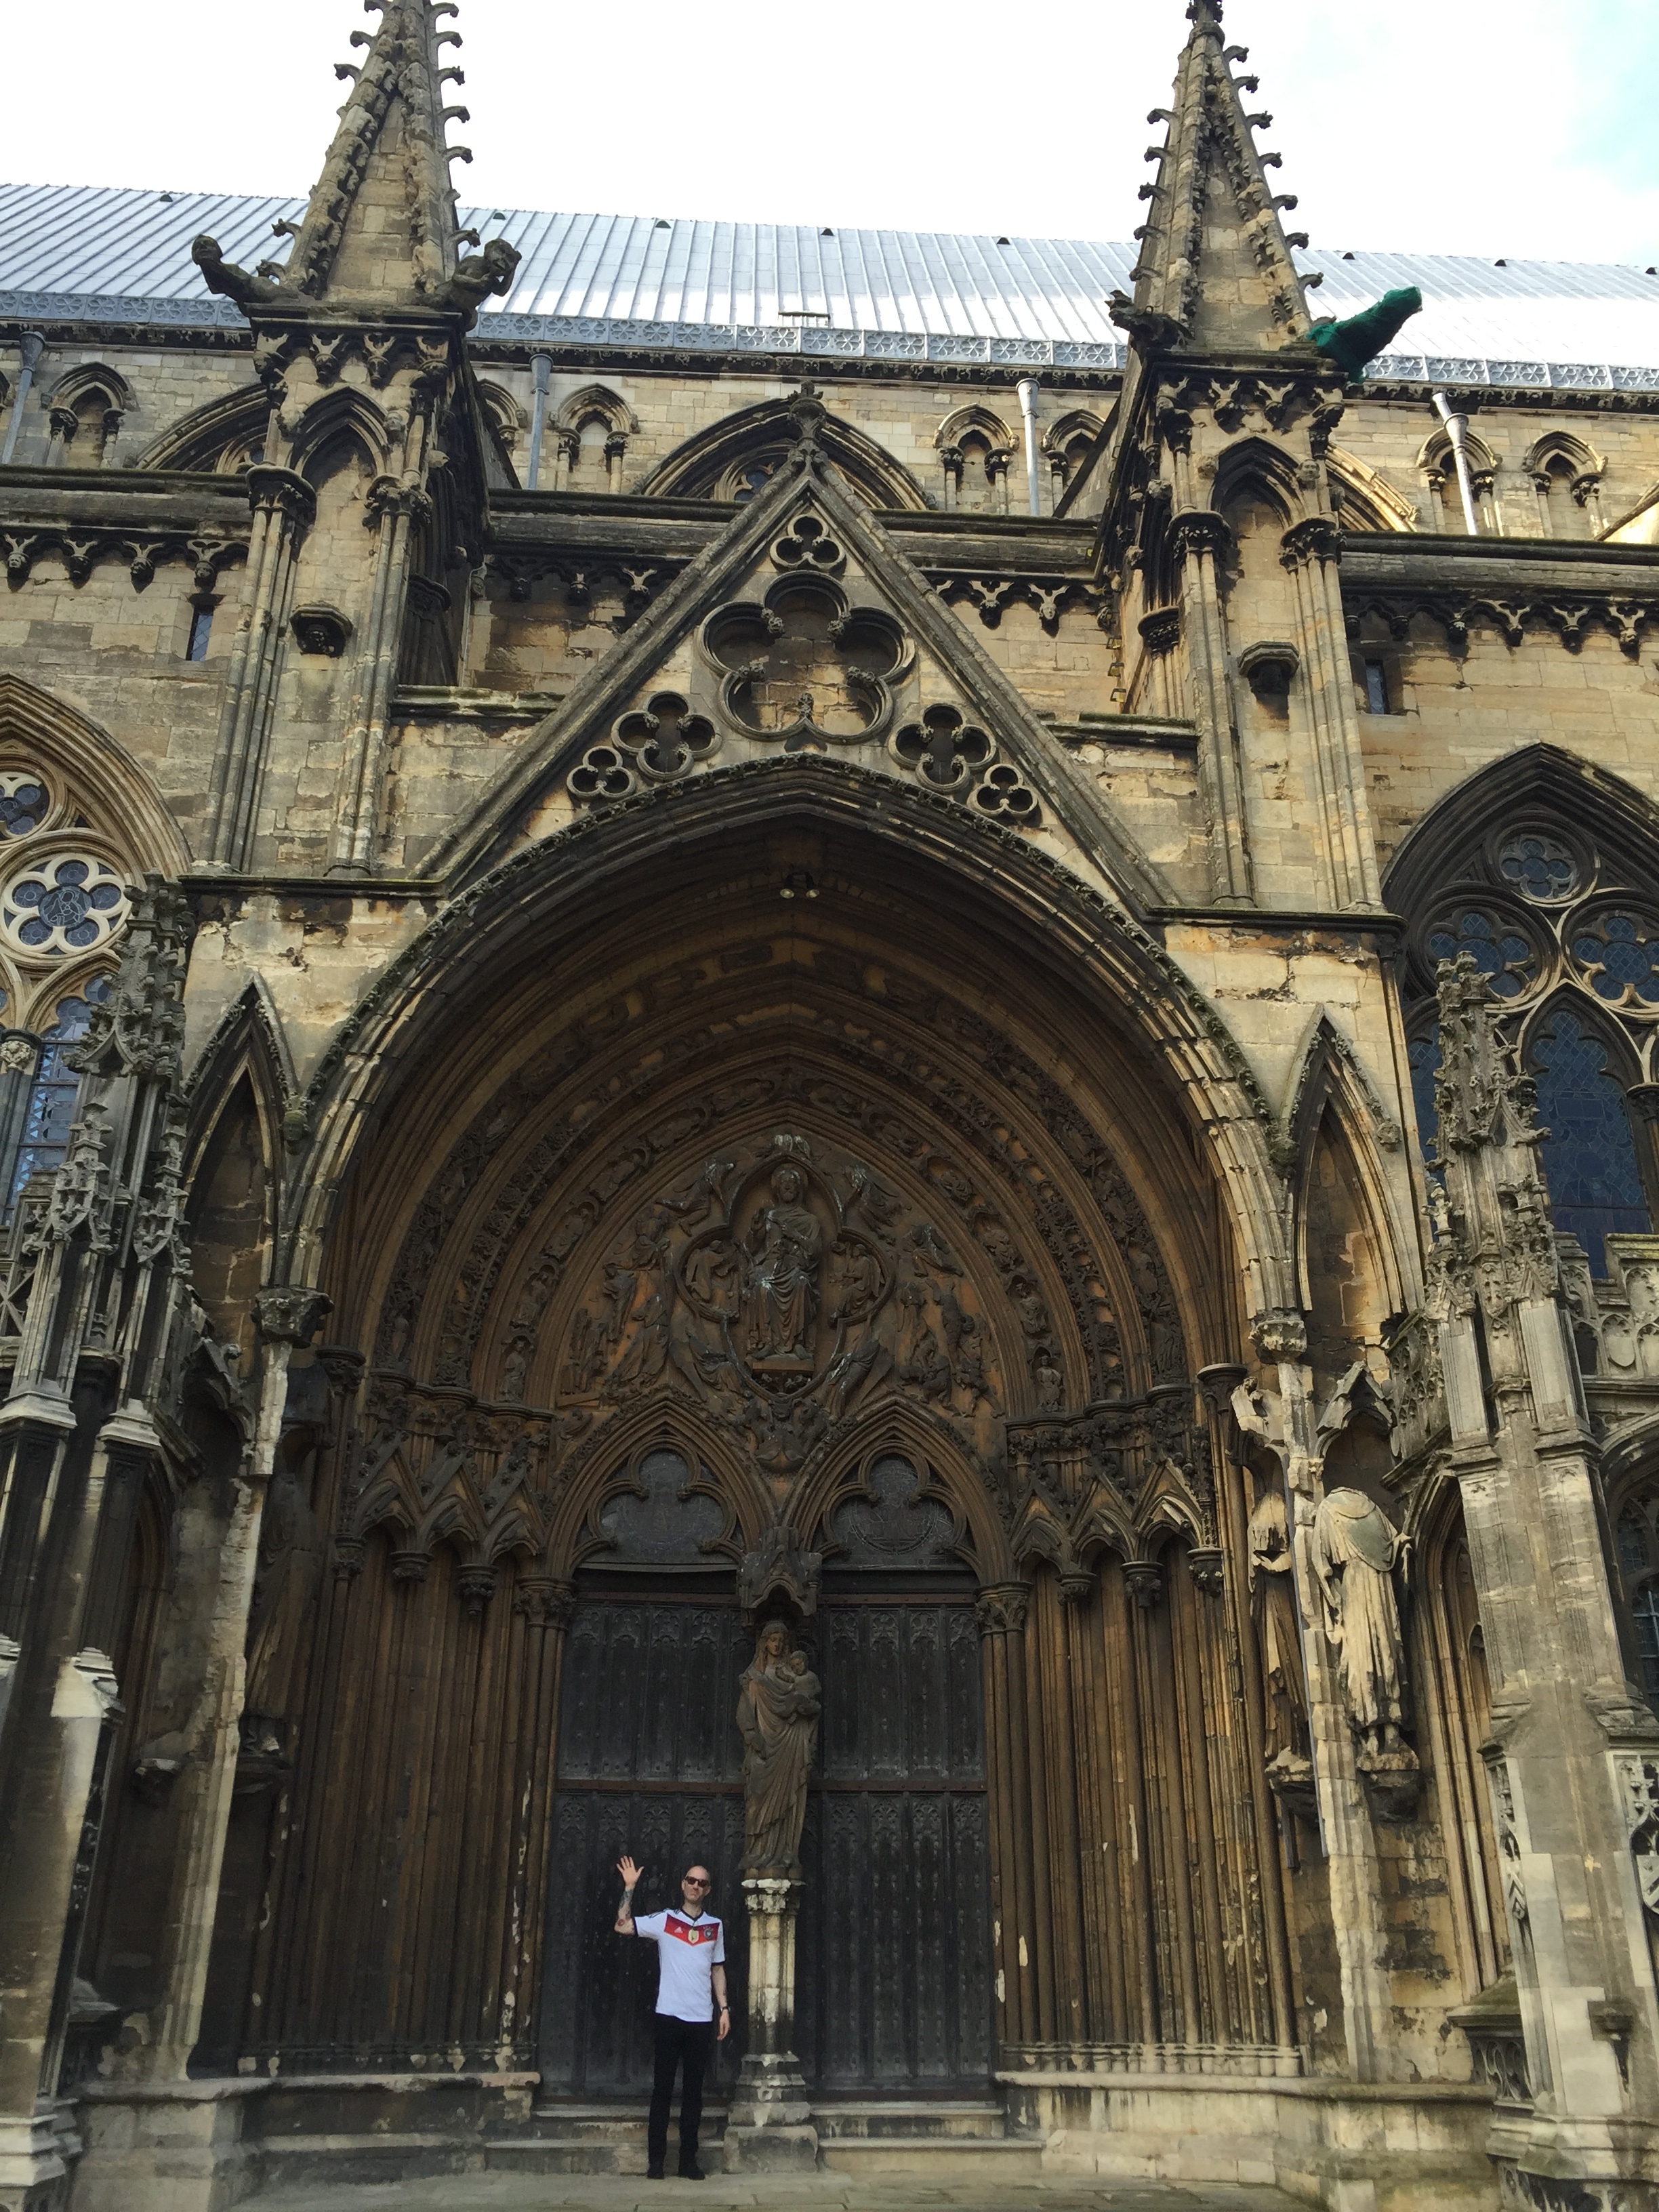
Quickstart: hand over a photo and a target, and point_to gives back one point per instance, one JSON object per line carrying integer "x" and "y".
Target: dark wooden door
{"x": 893, "y": 1959}
{"x": 649, "y": 1763}
{"x": 893, "y": 1941}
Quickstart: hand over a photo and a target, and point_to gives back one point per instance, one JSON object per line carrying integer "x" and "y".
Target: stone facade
{"x": 475, "y": 809}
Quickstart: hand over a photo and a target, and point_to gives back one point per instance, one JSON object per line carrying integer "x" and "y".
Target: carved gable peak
{"x": 1215, "y": 271}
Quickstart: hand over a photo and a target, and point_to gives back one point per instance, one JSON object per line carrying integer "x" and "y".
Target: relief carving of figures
{"x": 1356, "y": 1549}
{"x": 778, "y": 1719}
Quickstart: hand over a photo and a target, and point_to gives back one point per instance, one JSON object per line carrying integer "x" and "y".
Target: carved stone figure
{"x": 778, "y": 1720}
{"x": 1356, "y": 1549}
{"x": 780, "y": 1289}
{"x": 1279, "y": 1631}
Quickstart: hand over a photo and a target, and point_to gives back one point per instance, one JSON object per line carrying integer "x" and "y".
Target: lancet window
{"x": 1566, "y": 938}
{"x": 1636, "y": 1535}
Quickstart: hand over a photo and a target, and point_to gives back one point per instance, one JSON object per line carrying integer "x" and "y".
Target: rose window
{"x": 1501, "y": 953}
{"x": 24, "y": 802}
{"x": 63, "y": 903}
{"x": 1541, "y": 868}
{"x": 1619, "y": 955}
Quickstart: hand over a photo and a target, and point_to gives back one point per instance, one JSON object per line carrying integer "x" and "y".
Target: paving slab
{"x": 820, "y": 2192}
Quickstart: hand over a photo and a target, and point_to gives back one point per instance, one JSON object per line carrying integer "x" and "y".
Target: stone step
{"x": 850, "y": 2118}
{"x": 600, "y": 2139}
{"x": 992, "y": 2160}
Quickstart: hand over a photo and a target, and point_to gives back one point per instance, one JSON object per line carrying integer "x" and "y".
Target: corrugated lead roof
{"x": 639, "y": 281}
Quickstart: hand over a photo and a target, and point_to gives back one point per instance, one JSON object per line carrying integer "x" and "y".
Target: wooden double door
{"x": 893, "y": 1964}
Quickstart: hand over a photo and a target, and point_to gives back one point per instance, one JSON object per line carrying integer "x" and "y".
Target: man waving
{"x": 691, "y": 1979}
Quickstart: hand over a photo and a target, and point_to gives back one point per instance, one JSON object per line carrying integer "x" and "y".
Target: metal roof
{"x": 103, "y": 254}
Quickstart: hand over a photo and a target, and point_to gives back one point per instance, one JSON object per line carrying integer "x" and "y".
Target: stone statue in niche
{"x": 1356, "y": 1549}
{"x": 1279, "y": 1638}
{"x": 778, "y": 1719}
{"x": 782, "y": 1252}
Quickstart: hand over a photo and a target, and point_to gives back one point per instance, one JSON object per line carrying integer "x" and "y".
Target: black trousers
{"x": 680, "y": 2043}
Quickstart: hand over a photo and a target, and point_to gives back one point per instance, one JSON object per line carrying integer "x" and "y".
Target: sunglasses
{"x": 692, "y": 1882}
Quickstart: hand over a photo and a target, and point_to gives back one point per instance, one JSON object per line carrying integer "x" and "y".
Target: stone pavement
{"x": 821, "y": 2192}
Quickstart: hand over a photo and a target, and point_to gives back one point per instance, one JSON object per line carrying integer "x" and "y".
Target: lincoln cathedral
{"x": 915, "y": 973}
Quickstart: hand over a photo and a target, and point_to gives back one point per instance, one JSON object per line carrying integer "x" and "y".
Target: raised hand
{"x": 628, "y": 1871}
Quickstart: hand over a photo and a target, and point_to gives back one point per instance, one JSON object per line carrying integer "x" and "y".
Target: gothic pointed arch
{"x": 1364, "y": 498}
{"x": 224, "y": 436}
{"x": 343, "y": 415}
{"x": 40, "y": 726}
{"x": 735, "y": 458}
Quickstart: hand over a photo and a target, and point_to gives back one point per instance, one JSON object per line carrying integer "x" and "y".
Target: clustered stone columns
{"x": 770, "y": 2127}
{"x": 283, "y": 508}
{"x": 1312, "y": 555}
{"x": 1202, "y": 539}
{"x": 397, "y": 508}
{"x": 1002, "y": 1612}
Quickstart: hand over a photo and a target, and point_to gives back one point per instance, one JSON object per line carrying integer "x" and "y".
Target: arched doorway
{"x": 617, "y": 1097}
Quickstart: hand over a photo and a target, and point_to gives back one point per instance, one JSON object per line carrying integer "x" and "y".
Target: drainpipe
{"x": 541, "y": 365}
{"x": 31, "y": 345}
{"x": 1457, "y": 429}
{"x": 1028, "y": 393}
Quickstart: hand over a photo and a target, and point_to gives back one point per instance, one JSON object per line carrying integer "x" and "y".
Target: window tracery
{"x": 49, "y": 1107}
{"x": 1563, "y": 940}
{"x": 1636, "y": 1540}
{"x": 1567, "y": 477}
{"x": 975, "y": 448}
{"x": 85, "y": 409}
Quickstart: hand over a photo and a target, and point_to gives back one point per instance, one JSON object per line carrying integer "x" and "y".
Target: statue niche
{"x": 1356, "y": 1549}
{"x": 778, "y": 1720}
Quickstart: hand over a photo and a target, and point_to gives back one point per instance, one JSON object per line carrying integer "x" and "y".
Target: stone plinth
{"x": 770, "y": 2127}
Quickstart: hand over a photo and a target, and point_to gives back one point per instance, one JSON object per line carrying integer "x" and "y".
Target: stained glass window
{"x": 1589, "y": 1155}
{"x": 1644, "y": 1613}
{"x": 52, "y": 1097}
{"x": 1620, "y": 954}
{"x": 1501, "y": 954}
{"x": 1424, "y": 1054}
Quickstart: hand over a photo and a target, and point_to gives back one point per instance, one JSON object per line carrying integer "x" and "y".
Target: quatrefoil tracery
{"x": 944, "y": 751}
{"x": 808, "y": 549}
{"x": 658, "y": 743}
{"x": 802, "y": 664}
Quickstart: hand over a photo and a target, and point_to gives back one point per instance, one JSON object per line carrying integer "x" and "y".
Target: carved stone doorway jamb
{"x": 770, "y": 2129}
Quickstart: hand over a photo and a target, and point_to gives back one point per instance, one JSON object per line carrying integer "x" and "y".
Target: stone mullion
{"x": 1201, "y": 537}
{"x": 283, "y": 506}
{"x": 1312, "y": 554}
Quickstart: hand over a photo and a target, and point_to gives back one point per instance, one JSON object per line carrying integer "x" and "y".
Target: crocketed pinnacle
{"x": 1214, "y": 272}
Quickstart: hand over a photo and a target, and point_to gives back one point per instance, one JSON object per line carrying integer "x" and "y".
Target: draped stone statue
{"x": 781, "y": 1285}
{"x": 1356, "y": 1549}
{"x": 778, "y": 1719}
{"x": 1278, "y": 1631}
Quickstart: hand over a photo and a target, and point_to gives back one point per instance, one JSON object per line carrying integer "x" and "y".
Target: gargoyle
{"x": 224, "y": 277}
{"x": 1361, "y": 337}
{"x": 1157, "y": 333}
{"x": 480, "y": 274}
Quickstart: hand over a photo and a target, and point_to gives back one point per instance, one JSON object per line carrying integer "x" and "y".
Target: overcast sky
{"x": 1447, "y": 125}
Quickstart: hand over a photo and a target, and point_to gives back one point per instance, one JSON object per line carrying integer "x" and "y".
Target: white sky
{"x": 1424, "y": 125}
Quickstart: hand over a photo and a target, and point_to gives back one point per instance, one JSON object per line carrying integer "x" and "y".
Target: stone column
{"x": 1201, "y": 539}
{"x": 770, "y": 2129}
{"x": 396, "y": 507}
{"x": 1312, "y": 551}
{"x": 283, "y": 506}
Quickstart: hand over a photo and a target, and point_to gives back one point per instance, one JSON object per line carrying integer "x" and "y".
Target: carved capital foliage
{"x": 1144, "y": 1579}
{"x": 291, "y": 1313}
{"x": 1160, "y": 631}
{"x": 543, "y": 1604}
{"x": 1279, "y": 1334}
{"x": 1001, "y": 1609}
{"x": 1202, "y": 531}
{"x": 273, "y": 490}
{"x": 1316, "y": 538}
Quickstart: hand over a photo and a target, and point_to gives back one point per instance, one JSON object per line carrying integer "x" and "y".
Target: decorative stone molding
{"x": 291, "y": 1313}
{"x": 322, "y": 630}
{"x": 1280, "y": 1333}
{"x": 1269, "y": 667}
{"x": 1638, "y": 1786}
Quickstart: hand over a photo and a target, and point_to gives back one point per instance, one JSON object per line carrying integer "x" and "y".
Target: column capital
{"x": 277, "y": 490}
{"x": 1000, "y": 1609}
{"x": 290, "y": 1313}
{"x": 1280, "y": 1333}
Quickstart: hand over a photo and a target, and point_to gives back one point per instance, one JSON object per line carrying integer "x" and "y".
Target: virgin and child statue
{"x": 782, "y": 1252}
{"x": 778, "y": 1720}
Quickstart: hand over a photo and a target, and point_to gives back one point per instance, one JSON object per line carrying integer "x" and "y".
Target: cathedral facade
{"x": 956, "y": 1021}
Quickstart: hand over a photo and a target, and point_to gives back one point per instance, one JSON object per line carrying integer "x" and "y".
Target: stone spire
{"x": 1215, "y": 271}
{"x": 380, "y": 229}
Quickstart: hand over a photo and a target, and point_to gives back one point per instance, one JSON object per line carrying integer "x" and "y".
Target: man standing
{"x": 690, "y": 1979}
